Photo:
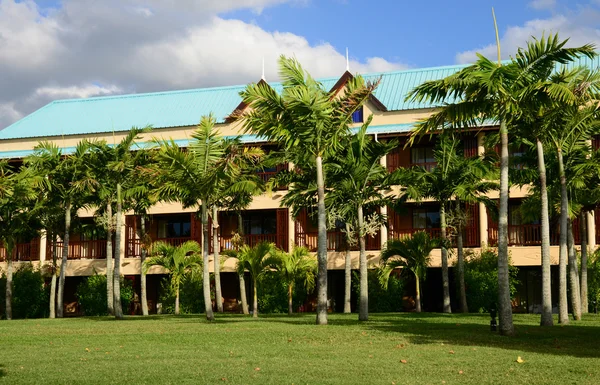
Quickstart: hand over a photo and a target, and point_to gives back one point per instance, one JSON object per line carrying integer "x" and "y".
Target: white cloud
{"x": 580, "y": 26}
{"x": 88, "y": 48}
{"x": 542, "y": 4}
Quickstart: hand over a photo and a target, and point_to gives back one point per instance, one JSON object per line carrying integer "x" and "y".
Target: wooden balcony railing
{"x": 266, "y": 175}
{"x": 95, "y": 249}
{"x": 470, "y": 235}
{"x": 336, "y": 241}
{"x": 249, "y": 239}
{"x": 530, "y": 235}
{"x": 23, "y": 252}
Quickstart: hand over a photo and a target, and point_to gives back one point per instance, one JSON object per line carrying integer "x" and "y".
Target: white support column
{"x": 591, "y": 229}
{"x": 480, "y": 146}
{"x": 483, "y": 225}
{"x": 42, "y": 250}
{"x": 291, "y": 231}
{"x": 122, "y": 243}
{"x": 383, "y": 231}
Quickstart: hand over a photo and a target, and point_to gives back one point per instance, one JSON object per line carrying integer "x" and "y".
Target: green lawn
{"x": 390, "y": 349}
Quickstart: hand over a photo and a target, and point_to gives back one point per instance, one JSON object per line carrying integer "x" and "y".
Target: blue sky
{"x": 53, "y": 50}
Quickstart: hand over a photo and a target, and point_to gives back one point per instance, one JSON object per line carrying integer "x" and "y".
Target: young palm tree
{"x": 414, "y": 254}
{"x": 299, "y": 264}
{"x": 455, "y": 178}
{"x": 238, "y": 243}
{"x": 306, "y": 119}
{"x": 18, "y": 217}
{"x": 179, "y": 261}
{"x": 257, "y": 260}
{"x": 492, "y": 91}
{"x": 358, "y": 179}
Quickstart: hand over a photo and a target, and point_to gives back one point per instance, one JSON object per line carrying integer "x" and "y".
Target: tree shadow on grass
{"x": 2, "y": 371}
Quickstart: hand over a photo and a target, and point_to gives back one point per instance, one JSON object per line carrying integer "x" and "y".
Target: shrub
{"x": 191, "y": 297}
{"x": 481, "y": 279}
{"x": 381, "y": 300}
{"x": 594, "y": 281}
{"x": 91, "y": 295}
{"x": 30, "y": 298}
{"x": 272, "y": 294}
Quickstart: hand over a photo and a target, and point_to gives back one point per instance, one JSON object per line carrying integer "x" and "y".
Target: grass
{"x": 389, "y": 349}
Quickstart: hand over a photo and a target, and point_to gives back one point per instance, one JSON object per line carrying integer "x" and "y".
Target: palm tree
{"x": 414, "y": 252}
{"x": 492, "y": 91}
{"x": 120, "y": 166}
{"x": 306, "y": 119}
{"x": 179, "y": 261}
{"x": 237, "y": 243}
{"x": 294, "y": 266}
{"x": 192, "y": 177}
{"x": 71, "y": 178}
{"x": 358, "y": 179}
{"x": 257, "y": 260}
{"x": 454, "y": 178}
{"x": 18, "y": 217}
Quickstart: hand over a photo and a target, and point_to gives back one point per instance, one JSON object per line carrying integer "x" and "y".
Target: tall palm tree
{"x": 18, "y": 217}
{"x": 358, "y": 179}
{"x": 238, "y": 243}
{"x": 257, "y": 260}
{"x": 414, "y": 254}
{"x": 121, "y": 162}
{"x": 192, "y": 177}
{"x": 305, "y": 118}
{"x": 179, "y": 261}
{"x": 297, "y": 265}
{"x": 454, "y": 178}
{"x": 492, "y": 91}
{"x": 71, "y": 178}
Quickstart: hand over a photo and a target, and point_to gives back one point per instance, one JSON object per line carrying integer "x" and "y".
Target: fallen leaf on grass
{"x": 399, "y": 346}
{"x": 257, "y": 369}
{"x": 289, "y": 340}
{"x": 370, "y": 356}
{"x": 520, "y": 360}
{"x": 87, "y": 350}
{"x": 403, "y": 361}
{"x": 451, "y": 352}
{"x": 223, "y": 378}
{"x": 461, "y": 372}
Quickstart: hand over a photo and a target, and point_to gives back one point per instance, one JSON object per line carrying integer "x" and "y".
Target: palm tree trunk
{"x": 363, "y": 312}
{"x": 117, "y": 268}
{"x": 584, "y": 262}
{"x": 143, "y": 252}
{"x": 53, "y": 279}
{"x": 243, "y": 294}
{"x": 546, "y": 317}
{"x": 110, "y": 296}
{"x": 63, "y": 264}
{"x": 563, "y": 311}
{"x": 9, "y": 279}
{"x": 573, "y": 275}
{"x": 255, "y": 301}
{"x": 445, "y": 279}
{"x": 216, "y": 260}
{"x": 504, "y": 303}
{"x": 290, "y": 302}
{"x": 418, "y": 294}
{"x": 322, "y": 247}
{"x": 464, "y": 308}
{"x": 205, "y": 273}
{"x": 347, "y": 275}
{"x": 177, "y": 300}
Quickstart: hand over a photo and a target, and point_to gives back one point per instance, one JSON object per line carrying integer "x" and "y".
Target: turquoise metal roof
{"x": 387, "y": 128}
{"x": 184, "y": 108}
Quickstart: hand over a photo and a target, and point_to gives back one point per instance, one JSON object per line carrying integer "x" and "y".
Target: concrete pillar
{"x": 483, "y": 225}
{"x": 480, "y": 146}
{"x": 591, "y": 229}
{"x": 383, "y": 230}
{"x": 42, "y": 250}
{"x": 122, "y": 243}
{"x": 291, "y": 231}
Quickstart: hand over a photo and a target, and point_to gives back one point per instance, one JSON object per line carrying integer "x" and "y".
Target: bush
{"x": 91, "y": 295}
{"x": 594, "y": 281}
{"x": 380, "y": 299}
{"x": 481, "y": 279}
{"x": 191, "y": 296}
{"x": 30, "y": 298}
{"x": 273, "y": 294}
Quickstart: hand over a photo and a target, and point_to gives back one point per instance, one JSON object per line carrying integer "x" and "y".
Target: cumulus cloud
{"x": 88, "y": 48}
{"x": 581, "y": 26}
{"x": 542, "y": 4}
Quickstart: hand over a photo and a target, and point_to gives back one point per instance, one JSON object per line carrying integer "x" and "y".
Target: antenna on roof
{"x": 263, "y": 69}
{"x": 347, "y": 61}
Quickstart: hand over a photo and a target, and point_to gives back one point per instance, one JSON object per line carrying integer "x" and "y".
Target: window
{"x": 426, "y": 219}
{"x": 421, "y": 155}
{"x": 174, "y": 227}
{"x": 357, "y": 116}
{"x": 256, "y": 223}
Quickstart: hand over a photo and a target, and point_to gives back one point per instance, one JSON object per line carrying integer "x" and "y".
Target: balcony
{"x": 530, "y": 235}
{"x": 92, "y": 249}
{"x": 336, "y": 241}
{"x": 26, "y": 251}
